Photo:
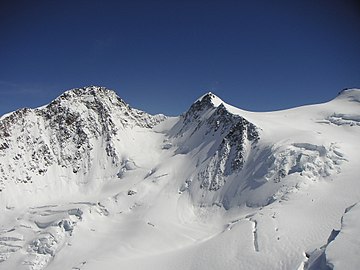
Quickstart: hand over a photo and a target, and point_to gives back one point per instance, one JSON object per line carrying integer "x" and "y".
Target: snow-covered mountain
{"x": 76, "y": 134}
{"x": 88, "y": 182}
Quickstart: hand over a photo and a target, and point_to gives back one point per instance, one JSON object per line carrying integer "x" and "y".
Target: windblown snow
{"x": 88, "y": 182}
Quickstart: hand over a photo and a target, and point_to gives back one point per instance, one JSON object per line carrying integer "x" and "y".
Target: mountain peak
{"x": 90, "y": 91}
{"x": 90, "y": 98}
{"x": 66, "y": 132}
{"x": 97, "y": 102}
{"x": 210, "y": 97}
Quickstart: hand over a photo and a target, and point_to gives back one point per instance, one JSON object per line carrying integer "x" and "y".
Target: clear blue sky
{"x": 161, "y": 55}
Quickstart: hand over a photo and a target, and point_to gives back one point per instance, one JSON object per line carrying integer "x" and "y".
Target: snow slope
{"x": 88, "y": 182}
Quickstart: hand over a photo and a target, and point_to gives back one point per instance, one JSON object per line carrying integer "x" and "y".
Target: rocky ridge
{"x": 65, "y": 133}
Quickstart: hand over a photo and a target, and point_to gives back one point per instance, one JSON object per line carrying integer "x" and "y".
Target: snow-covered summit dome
{"x": 352, "y": 94}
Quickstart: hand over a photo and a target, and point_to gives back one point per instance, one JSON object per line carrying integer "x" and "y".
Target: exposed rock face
{"x": 233, "y": 137}
{"x": 238, "y": 135}
{"x": 65, "y": 132}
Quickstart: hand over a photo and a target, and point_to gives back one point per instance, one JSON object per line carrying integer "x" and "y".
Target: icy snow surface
{"x": 87, "y": 182}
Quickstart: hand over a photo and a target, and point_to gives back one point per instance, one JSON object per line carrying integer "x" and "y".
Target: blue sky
{"x": 161, "y": 55}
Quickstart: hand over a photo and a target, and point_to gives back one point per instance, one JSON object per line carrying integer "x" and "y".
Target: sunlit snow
{"x": 87, "y": 182}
